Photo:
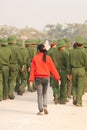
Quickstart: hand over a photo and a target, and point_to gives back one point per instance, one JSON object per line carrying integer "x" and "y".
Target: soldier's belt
{"x": 61, "y": 69}
{"x": 14, "y": 63}
{"x": 5, "y": 64}
{"x": 77, "y": 67}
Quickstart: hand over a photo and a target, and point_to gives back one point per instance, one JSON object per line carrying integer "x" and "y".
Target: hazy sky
{"x": 38, "y": 13}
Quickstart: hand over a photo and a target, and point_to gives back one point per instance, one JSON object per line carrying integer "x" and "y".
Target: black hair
{"x": 74, "y": 45}
{"x": 41, "y": 48}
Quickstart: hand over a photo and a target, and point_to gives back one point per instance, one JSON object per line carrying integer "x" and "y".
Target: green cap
{"x": 85, "y": 44}
{"x": 60, "y": 43}
{"x": 33, "y": 41}
{"x": 11, "y": 39}
{"x": 39, "y": 41}
{"x": 27, "y": 42}
{"x": 19, "y": 42}
{"x": 80, "y": 40}
{"x": 3, "y": 41}
{"x": 67, "y": 40}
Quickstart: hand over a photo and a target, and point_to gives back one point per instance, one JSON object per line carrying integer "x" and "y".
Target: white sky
{"x": 38, "y": 13}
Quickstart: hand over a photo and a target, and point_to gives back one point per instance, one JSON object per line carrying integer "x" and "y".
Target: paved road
{"x": 20, "y": 114}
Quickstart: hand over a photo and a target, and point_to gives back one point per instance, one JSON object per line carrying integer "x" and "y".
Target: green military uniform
{"x": 78, "y": 64}
{"x": 18, "y": 79}
{"x": 1, "y": 80}
{"x": 15, "y": 60}
{"x": 23, "y": 74}
{"x": 69, "y": 81}
{"x": 32, "y": 50}
{"x": 63, "y": 65}
{"x": 5, "y": 54}
{"x": 85, "y": 88}
{"x": 55, "y": 86}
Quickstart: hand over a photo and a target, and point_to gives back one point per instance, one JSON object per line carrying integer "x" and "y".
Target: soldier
{"x": 1, "y": 80}
{"x": 23, "y": 70}
{"x": 5, "y": 54}
{"x": 15, "y": 60}
{"x": 18, "y": 79}
{"x": 78, "y": 64}
{"x": 32, "y": 50}
{"x": 69, "y": 81}
{"x": 55, "y": 86}
{"x": 85, "y": 88}
{"x": 63, "y": 66}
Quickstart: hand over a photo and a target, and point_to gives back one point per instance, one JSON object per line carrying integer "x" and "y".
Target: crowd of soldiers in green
{"x": 15, "y": 63}
{"x": 70, "y": 60}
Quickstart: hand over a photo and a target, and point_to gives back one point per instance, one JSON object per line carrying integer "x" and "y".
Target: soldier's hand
{"x": 31, "y": 84}
{"x": 59, "y": 82}
{"x": 31, "y": 87}
{"x": 22, "y": 69}
{"x": 29, "y": 69}
{"x": 69, "y": 76}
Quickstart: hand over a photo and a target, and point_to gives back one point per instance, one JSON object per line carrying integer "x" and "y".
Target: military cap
{"x": 67, "y": 40}
{"x": 39, "y": 41}
{"x": 11, "y": 39}
{"x": 85, "y": 44}
{"x": 3, "y": 41}
{"x": 33, "y": 41}
{"x": 61, "y": 43}
{"x": 80, "y": 40}
{"x": 27, "y": 42}
{"x": 19, "y": 42}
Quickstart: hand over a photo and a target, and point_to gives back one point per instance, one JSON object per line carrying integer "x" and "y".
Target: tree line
{"x": 49, "y": 32}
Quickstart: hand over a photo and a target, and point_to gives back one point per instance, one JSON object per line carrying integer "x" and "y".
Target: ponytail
{"x": 42, "y": 48}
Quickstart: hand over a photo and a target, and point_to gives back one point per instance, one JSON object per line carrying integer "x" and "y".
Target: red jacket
{"x": 42, "y": 69}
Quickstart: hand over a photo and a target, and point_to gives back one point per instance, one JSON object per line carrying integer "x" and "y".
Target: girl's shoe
{"x": 45, "y": 110}
{"x": 40, "y": 113}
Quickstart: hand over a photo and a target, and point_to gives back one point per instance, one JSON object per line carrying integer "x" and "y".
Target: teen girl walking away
{"x": 41, "y": 68}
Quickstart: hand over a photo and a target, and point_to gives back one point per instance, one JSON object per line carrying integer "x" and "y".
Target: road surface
{"x": 20, "y": 114}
